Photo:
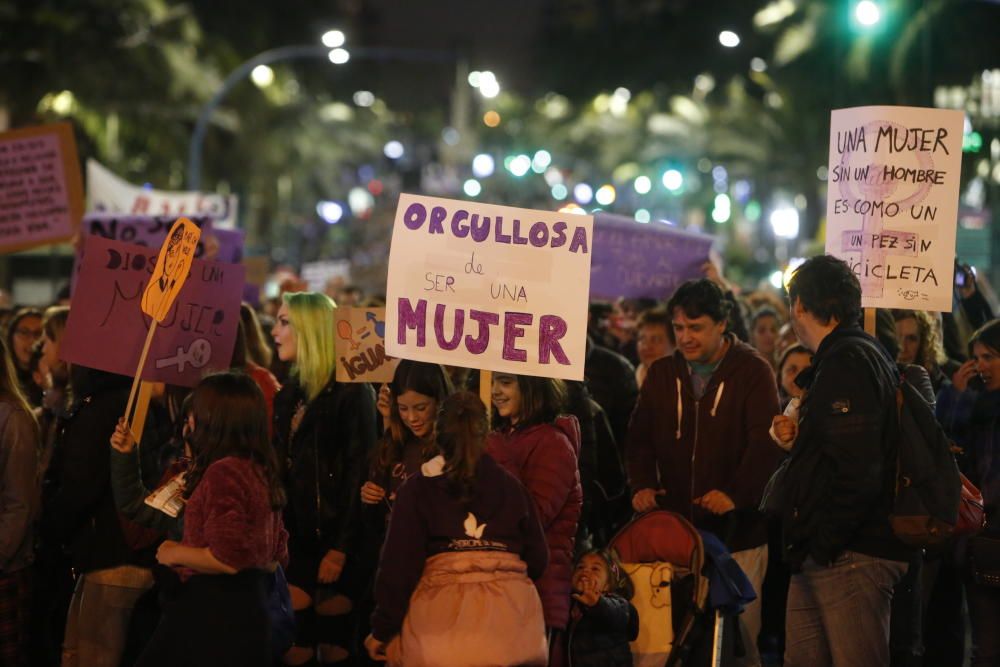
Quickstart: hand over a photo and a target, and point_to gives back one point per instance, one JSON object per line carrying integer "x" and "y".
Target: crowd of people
{"x": 272, "y": 515}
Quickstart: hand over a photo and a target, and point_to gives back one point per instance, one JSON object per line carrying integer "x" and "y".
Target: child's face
{"x": 506, "y": 394}
{"x": 591, "y": 570}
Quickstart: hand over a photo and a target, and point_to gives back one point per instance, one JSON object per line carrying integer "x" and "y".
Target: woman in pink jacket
{"x": 541, "y": 448}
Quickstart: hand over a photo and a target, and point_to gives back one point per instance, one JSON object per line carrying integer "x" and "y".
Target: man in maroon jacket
{"x": 698, "y": 441}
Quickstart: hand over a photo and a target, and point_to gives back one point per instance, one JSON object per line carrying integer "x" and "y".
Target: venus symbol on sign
{"x": 198, "y": 354}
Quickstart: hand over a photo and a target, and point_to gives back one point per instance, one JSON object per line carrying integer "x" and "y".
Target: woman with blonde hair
{"x": 324, "y": 431}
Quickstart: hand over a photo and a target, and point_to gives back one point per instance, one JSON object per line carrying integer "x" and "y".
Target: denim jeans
{"x": 753, "y": 562}
{"x": 838, "y": 616}
{"x": 984, "y": 612}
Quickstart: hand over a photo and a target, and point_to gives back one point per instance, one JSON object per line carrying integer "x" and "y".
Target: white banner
{"x": 107, "y": 193}
{"x": 489, "y": 287}
{"x": 892, "y": 205}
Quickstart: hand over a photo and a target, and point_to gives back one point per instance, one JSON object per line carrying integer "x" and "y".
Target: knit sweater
{"x": 230, "y": 513}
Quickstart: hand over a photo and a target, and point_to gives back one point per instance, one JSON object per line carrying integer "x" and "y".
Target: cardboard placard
{"x": 490, "y": 287}
{"x": 106, "y": 328}
{"x": 41, "y": 191}
{"x": 219, "y": 245}
{"x": 359, "y": 334}
{"x": 643, "y": 260}
{"x": 107, "y": 193}
{"x": 892, "y": 206}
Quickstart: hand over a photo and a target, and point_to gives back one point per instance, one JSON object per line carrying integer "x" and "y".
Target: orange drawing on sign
{"x": 346, "y": 332}
{"x": 171, "y": 270}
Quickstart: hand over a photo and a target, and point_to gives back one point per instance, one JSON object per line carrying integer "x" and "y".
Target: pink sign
{"x": 41, "y": 196}
{"x": 106, "y": 327}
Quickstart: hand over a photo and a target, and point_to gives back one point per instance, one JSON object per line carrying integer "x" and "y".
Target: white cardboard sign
{"x": 892, "y": 205}
{"x": 490, "y": 287}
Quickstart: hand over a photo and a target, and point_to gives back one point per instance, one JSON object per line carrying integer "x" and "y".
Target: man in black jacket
{"x": 838, "y": 489}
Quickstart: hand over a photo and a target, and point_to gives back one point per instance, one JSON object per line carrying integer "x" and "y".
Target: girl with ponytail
{"x": 463, "y": 535}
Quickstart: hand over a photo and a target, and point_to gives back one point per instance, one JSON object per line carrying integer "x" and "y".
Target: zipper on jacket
{"x": 694, "y": 453}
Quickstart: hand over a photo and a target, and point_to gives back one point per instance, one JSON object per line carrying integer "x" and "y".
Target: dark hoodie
{"x": 688, "y": 447}
{"x": 428, "y": 519}
{"x": 545, "y": 458}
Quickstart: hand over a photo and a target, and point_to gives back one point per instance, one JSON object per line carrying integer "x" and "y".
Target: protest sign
{"x": 220, "y": 245}
{"x": 106, "y": 327}
{"x": 257, "y": 270}
{"x": 107, "y": 193}
{"x": 317, "y": 274}
{"x": 892, "y": 205}
{"x": 360, "y": 337}
{"x": 489, "y": 287}
{"x": 41, "y": 193}
{"x": 643, "y": 260}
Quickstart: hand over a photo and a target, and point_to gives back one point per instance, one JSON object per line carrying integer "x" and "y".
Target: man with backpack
{"x": 837, "y": 489}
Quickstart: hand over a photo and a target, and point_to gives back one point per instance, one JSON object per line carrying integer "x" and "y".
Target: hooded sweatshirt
{"x": 428, "y": 519}
{"x": 688, "y": 446}
{"x": 545, "y": 458}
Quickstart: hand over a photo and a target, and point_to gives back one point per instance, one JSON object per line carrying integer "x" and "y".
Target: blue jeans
{"x": 838, "y": 616}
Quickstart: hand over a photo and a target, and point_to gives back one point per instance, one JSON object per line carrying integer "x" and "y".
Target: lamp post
{"x": 295, "y": 52}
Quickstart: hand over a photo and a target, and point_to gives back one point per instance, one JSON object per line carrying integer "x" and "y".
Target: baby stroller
{"x": 682, "y": 604}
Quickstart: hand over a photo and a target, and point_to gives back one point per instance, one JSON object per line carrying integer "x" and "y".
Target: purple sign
{"x": 221, "y": 245}
{"x": 107, "y": 328}
{"x": 643, "y": 260}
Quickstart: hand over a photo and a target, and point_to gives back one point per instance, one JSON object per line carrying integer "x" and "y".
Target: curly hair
{"x": 930, "y": 353}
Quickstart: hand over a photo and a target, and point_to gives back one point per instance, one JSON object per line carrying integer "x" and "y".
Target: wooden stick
{"x": 138, "y": 373}
{"x": 141, "y": 411}
{"x": 870, "y": 321}
{"x": 486, "y": 391}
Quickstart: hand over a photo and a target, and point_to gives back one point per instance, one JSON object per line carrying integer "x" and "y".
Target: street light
{"x": 296, "y": 52}
{"x": 867, "y": 13}
{"x": 333, "y": 39}
{"x": 729, "y": 39}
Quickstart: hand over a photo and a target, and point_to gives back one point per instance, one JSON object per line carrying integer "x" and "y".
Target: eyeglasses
{"x": 28, "y": 333}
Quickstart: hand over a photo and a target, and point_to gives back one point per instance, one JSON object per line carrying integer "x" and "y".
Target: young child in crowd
{"x": 602, "y": 620}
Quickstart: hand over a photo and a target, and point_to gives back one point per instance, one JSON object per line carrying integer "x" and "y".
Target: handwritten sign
{"x": 490, "y": 287}
{"x": 107, "y": 193}
{"x": 106, "y": 327}
{"x": 360, "y": 337}
{"x": 41, "y": 193}
{"x": 892, "y": 206}
{"x": 643, "y": 260}
{"x": 221, "y": 245}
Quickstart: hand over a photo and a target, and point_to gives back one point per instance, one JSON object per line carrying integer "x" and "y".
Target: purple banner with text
{"x": 643, "y": 260}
